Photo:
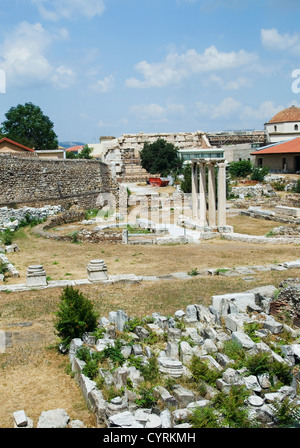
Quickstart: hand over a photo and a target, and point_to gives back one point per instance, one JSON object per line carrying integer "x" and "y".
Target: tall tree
{"x": 160, "y": 157}
{"x": 26, "y": 124}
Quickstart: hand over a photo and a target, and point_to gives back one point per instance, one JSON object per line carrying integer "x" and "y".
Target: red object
{"x": 16, "y": 144}
{"x": 158, "y": 181}
{"x": 289, "y": 147}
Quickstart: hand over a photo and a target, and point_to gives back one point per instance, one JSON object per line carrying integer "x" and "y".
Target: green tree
{"x": 85, "y": 153}
{"x": 160, "y": 157}
{"x": 75, "y": 315}
{"x": 186, "y": 183}
{"x": 26, "y": 124}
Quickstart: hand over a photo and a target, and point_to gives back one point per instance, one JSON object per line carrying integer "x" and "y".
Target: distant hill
{"x": 70, "y": 144}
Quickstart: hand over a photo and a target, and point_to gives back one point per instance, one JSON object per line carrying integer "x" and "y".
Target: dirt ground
{"x": 35, "y": 377}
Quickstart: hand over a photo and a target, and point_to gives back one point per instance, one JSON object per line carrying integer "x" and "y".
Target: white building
{"x": 284, "y": 125}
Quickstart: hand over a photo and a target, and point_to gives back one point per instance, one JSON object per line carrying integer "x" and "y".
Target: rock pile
{"x": 10, "y": 218}
{"x": 133, "y": 351}
{"x": 55, "y": 418}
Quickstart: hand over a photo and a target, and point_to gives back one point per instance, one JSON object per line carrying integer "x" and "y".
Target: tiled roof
{"x": 290, "y": 114}
{"x": 74, "y": 148}
{"x": 289, "y": 147}
{"x": 5, "y": 139}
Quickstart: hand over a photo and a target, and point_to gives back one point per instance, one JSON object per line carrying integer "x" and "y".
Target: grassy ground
{"x": 33, "y": 373}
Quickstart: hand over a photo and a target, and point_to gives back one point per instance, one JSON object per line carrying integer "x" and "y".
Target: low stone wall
{"x": 37, "y": 182}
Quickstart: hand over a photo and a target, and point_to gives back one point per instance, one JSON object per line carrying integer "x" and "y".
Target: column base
{"x": 225, "y": 229}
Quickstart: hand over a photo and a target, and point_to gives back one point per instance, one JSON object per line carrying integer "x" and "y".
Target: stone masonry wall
{"x": 36, "y": 182}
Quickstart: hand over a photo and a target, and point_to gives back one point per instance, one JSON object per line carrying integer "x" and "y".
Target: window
{"x": 275, "y": 128}
{"x": 296, "y": 127}
{"x": 259, "y": 162}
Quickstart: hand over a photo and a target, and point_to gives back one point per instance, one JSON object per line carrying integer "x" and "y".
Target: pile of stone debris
{"x": 174, "y": 341}
{"x": 197, "y": 331}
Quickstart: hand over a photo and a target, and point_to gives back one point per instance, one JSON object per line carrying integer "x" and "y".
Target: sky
{"x": 112, "y": 67}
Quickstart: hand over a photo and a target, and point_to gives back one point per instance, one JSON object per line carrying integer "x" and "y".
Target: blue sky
{"x": 111, "y": 67}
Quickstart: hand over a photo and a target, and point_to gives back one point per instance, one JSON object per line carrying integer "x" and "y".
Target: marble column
{"x": 194, "y": 190}
{"x": 211, "y": 195}
{"x": 202, "y": 195}
{"x": 222, "y": 194}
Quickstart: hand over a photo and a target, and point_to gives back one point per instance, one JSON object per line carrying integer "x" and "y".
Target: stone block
{"x": 243, "y": 339}
{"x": 235, "y": 322}
{"x": 20, "y": 419}
{"x": 97, "y": 271}
{"x": 183, "y": 396}
{"x": 36, "y": 276}
{"x": 170, "y": 366}
{"x": 57, "y": 418}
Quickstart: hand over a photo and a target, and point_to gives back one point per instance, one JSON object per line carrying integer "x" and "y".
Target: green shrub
{"x": 146, "y": 397}
{"x": 234, "y": 351}
{"x": 7, "y": 237}
{"x": 278, "y": 185}
{"x": 113, "y": 353}
{"x": 250, "y": 329}
{"x": 258, "y": 363}
{"x": 240, "y": 169}
{"x": 287, "y": 414}
{"x": 259, "y": 173}
{"x": 3, "y": 267}
{"x": 75, "y": 316}
{"x": 296, "y": 188}
{"x": 232, "y": 407}
{"x": 205, "y": 417}
{"x": 201, "y": 372}
{"x": 150, "y": 371}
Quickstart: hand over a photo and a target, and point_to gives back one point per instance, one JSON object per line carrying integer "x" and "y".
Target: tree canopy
{"x": 160, "y": 157}
{"x": 27, "y": 124}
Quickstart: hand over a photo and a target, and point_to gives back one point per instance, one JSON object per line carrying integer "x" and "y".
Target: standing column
{"x": 222, "y": 194}
{"x": 194, "y": 190}
{"x": 202, "y": 195}
{"x": 211, "y": 195}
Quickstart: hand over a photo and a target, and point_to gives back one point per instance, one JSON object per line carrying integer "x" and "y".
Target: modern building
{"x": 284, "y": 125}
{"x": 281, "y": 157}
{"x": 12, "y": 147}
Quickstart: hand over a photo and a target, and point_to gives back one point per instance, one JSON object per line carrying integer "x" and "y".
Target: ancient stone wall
{"x": 35, "y": 182}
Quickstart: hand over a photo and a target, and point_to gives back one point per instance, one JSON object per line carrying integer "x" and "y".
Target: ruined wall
{"x": 35, "y": 182}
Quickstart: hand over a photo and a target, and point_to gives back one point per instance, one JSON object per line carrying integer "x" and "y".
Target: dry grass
{"x": 66, "y": 260}
{"x": 33, "y": 373}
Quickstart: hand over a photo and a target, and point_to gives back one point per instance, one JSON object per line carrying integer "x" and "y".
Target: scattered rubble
{"x": 169, "y": 345}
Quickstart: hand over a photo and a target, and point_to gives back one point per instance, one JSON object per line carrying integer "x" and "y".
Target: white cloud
{"x": 226, "y": 109}
{"x": 158, "y": 113}
{"x": 178, "y": 67}
{"x": 63, "y": 77}
{"x": 150, "y": 111}
{"x": 228, "y": 85}
{"x": 24, "y": 56}
{"x": 265, "y": 111}
{"x": 67, "y": 9}
{"x": 273, "y": 40}
{"x": 104, "y": 85}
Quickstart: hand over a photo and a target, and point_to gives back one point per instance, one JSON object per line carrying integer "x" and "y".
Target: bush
{"x": 7, "y": 237}
{"x": 3, "y": 267}
{"x": 259, "y": 173}
{"x": 240, "y": 169}
{"x": 75, "y": 316}
{"x": 232, "y": 407}
{"x": 296, "y": 188}
{"x": 205, "y": 417}
{"x": 287, "y": 414}
{"x": 201, "y": 372}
